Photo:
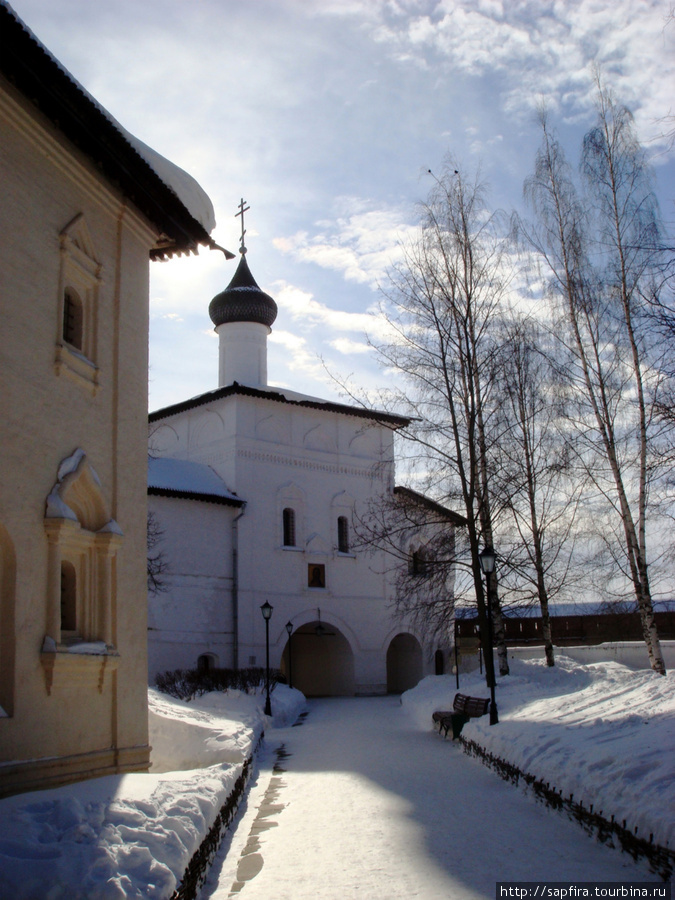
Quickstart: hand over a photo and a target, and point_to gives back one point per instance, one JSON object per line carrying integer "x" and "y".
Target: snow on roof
{"x": 191, "y": 194}
{"x": 281, "y": 396}
{"x": 46, "y": 82}
{"x": 561, "y": 608}
{"x": 192, "y": 480}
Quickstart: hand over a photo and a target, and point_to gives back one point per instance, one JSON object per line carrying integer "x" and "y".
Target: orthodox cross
{"x": 242, "y": 210}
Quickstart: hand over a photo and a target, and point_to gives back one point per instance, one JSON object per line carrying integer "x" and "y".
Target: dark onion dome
{"x": 242, "y": 300}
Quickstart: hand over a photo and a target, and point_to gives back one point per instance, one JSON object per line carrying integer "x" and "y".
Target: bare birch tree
{"x": 534, "y": 481}
{"x": 600, "y": 250}
{"x": 439, "y": 307}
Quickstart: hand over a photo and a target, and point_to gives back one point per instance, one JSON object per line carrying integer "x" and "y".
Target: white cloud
{"x": 347, "y": 346}
{"x": 361, "y": 243}
{"x": 541, "y": 48}
{"x": 309, "y": 312}
{"x": 300, "y": 357}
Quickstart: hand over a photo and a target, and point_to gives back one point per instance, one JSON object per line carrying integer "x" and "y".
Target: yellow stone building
{"x": 84, "y": 207}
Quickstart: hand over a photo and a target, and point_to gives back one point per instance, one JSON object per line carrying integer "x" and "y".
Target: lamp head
{"x": 487, "y": 558}
{"x": 266, "y": 610}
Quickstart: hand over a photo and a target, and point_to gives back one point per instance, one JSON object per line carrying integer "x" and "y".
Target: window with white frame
{"x": 68, "y": 598}
{"x": 72, "y": 318}
{"x": 83, "y": 541}
{"x": 288, "y": 517}
{"x": 343, "y": 534}
{"x": 77, "y": 309}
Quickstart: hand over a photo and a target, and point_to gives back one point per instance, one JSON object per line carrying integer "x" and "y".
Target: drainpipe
{"x": 235, "y": 587}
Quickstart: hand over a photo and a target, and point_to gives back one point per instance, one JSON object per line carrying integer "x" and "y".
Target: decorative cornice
{"x": 376, "y": 470}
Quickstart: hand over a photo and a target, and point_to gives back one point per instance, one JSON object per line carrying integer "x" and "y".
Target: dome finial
{"x": 242, "y": 210}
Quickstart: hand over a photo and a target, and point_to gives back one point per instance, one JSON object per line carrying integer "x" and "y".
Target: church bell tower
{"x": 242, "y": 315}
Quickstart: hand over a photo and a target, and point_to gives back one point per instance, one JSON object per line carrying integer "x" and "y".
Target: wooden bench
{"x": 463, "y": 709}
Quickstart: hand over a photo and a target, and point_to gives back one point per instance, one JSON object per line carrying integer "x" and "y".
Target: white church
{"x": 253, "y": 489}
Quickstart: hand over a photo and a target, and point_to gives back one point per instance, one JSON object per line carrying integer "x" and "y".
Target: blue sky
{"x": 325, "y": 115}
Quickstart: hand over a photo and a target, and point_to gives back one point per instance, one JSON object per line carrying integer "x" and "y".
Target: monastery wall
{"x": 194, "y": 614}
{"x": 70, "y": 232}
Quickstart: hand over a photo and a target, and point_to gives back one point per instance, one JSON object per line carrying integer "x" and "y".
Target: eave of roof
{"x": 36, "y": 74}
{"x": 195, "y": 495}
{"x": 235, "y": 388}
{"x": 431, "y": 505}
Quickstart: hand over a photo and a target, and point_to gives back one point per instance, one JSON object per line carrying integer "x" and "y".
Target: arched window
{"x": 76, "y": 350}
{"x": 289, "y": 527}
{"x": 68, "y": 597}
{"x": 418, "y": 563}
{"x": 72, "y": 319}
{"x": 343, "y": 534}
{"x": 206, "y": 663}
{"x": 82, "y": 545}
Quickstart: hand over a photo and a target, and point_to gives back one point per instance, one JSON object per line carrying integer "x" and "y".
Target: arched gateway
{"x": 322, "y": 663}
{"x": 404, "y": 663}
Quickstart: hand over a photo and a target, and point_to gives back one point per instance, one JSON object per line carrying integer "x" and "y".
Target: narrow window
{"x": 316, "y": 575}
{"x": 68, "y": 597}
{"x": 418, "y": 563}
{"x": 72, "y": 319}
{"x": 343, "y": 534}
{"x": 289, "y": 527}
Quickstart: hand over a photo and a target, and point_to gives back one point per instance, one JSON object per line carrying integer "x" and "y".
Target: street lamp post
{"x": 456, "y": 655}
{"x": 266, "y": 610}
{"x": 289, "y": 629}
{"x": 488, "y": 558}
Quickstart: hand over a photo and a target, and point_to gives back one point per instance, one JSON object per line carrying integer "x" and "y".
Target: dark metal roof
{"x": 242, "y": 300}
{"x": 36, "y": 74}
{"x": 189, "y": 480}
{"x": 195, "y": 495}
{"x": 429, "y": 504}
{"x": 393, "y": 421}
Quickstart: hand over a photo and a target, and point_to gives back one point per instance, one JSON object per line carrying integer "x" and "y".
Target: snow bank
{"x": 214, "y": 728}
{"x": 110, "y": 838}
{"x": 132, "y": 836}
{"x": 602, "y": 732}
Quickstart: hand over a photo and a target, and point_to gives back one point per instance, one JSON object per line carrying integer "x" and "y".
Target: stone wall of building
{"x": 73, "y": 688}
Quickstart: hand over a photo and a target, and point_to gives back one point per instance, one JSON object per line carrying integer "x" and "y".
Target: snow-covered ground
{"x": 132, "y": 836}
{"x": 602, "y": 732}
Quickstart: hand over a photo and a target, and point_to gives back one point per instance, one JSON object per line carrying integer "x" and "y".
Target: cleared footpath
{"x": 359, "y": 804}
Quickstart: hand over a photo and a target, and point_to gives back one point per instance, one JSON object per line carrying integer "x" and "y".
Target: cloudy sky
{"x": 325, "y": 115}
